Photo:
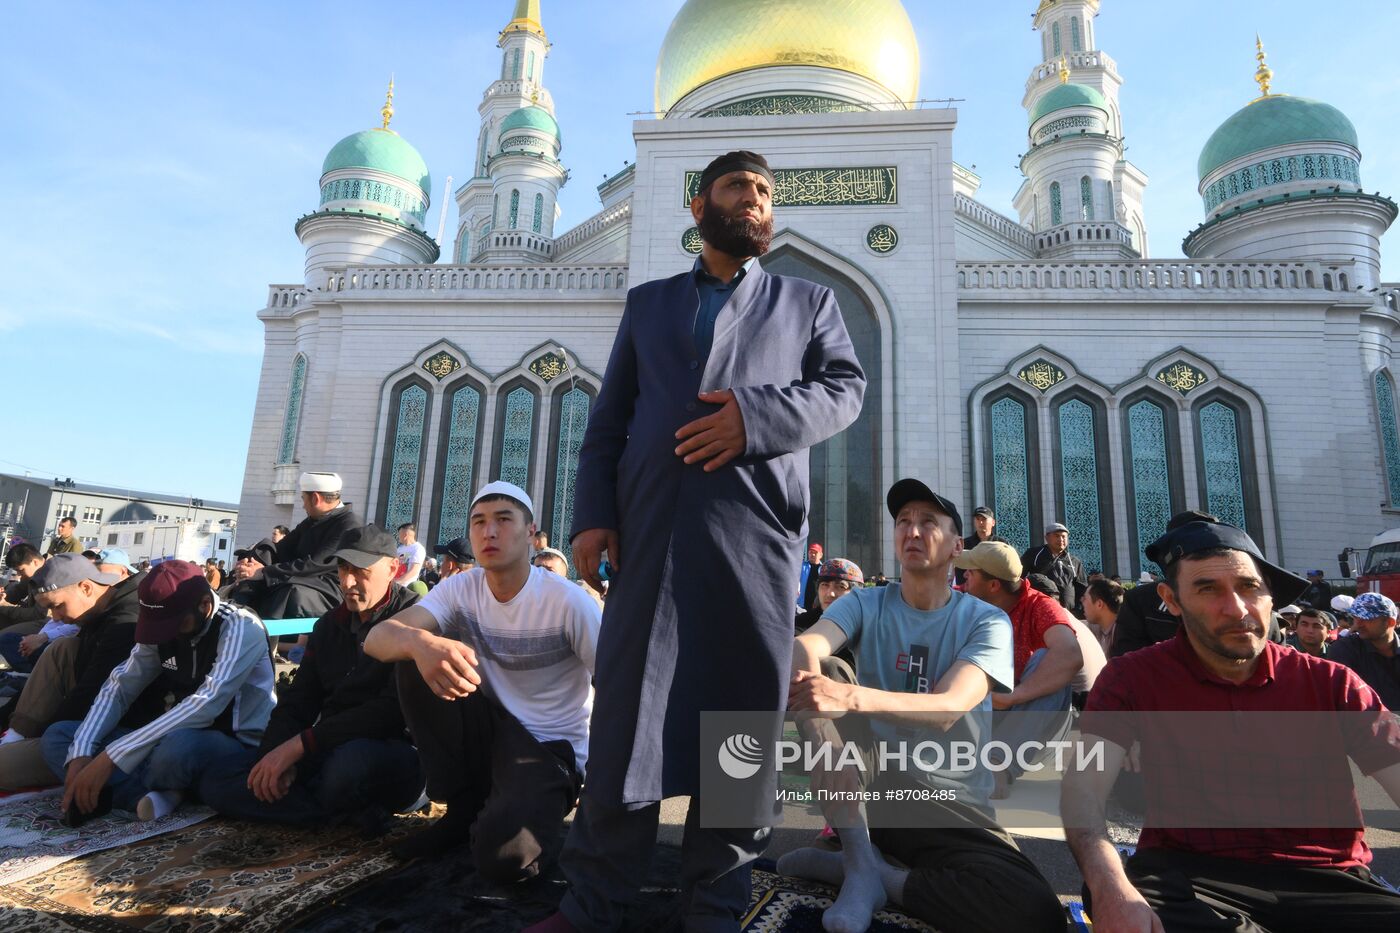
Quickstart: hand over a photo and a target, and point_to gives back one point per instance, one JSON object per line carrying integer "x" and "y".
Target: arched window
{"x": 1010, "y": 431}
{"x": 1226, "y": 470}
{"x": 516, "y": 414}
{"x": 539, "y": 213}
{"x": 1086, "y": 199}
{"x": 481, "y": 154}
{"x": 462, "y": 417}
{"x": 403, "y": 452}
{"x": 1109, "y": 205}
{"x": 1055, "y": 38}
{"x": 530, "y": 75}
{"x": 291, "y": 419}
{"x": 1390, "y": 435}
{"x": 1074, "y": 41}
{"x": 570, "y": 422}
{"x": 514, "y": 208}
{"x": 515, "y": 64}
{"x": 464, "y": 239}
{"x": 495, "y": 209}
{"x": 1080, "y": 434}
{"x": 1056, "y": 214}
{"x": 1151, "y": 474}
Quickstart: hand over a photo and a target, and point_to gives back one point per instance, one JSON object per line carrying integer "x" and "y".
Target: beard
{"x": 1202, "y": 634}
{"x": 732, "y": 234}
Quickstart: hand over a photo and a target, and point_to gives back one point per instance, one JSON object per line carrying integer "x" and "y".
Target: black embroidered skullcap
{"x": 740, "y": 161}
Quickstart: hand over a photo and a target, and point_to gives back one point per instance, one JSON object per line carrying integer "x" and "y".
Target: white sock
{"x": 10, "y": 736}
{"x": 158, "y": 803}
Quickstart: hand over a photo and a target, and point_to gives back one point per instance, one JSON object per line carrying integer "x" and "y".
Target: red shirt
{"x": 1253, "y": 759}
{"x": 1033, "y": 615}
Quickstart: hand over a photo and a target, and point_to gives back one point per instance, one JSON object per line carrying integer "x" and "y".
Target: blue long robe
{"x": 699, "y": 617}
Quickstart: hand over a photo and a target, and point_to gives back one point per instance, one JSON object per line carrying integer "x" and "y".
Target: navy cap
{"x": 1194, "y": 537}
{"x": 909, "y": 490}
{"x": 459, "y": 549}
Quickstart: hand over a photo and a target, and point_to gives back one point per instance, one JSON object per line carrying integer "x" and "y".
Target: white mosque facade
{"x": 1041, "y": 364}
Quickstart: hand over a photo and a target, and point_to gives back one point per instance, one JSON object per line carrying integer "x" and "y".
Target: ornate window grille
{"x": 573, "y": 422}
{"x": 291, "y": 420}
{"x": 1055, "y": 39}
{"x": 1390, "y": 434}
{"x": 1075, "y": 42}
{"x": 1218, "y": 430}
{"x": 539, "y": 213}
{"x": 514, "y": 208}
{"x": 1079, "y": 478}
{"x": 459, "y": 464}
{"x": 1151, "y": 473}
{"x": 401, "y": 503}
{"x": 1056, "y": 214}
{"x": 1011, "y": 471}
{"x": 1086, "y": 198}
{"x": 517, "y": 437}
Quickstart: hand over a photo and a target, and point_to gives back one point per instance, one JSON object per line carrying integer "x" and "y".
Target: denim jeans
{"x": 9, "y": 650}
{"x": 175, "y": 763}
{"x": 361, "y": 774}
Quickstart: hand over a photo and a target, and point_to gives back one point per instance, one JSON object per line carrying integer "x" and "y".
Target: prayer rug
{"x": 793, "y": 905}
{"x": 33, "y": 840}
{"x": 218, "y": 875}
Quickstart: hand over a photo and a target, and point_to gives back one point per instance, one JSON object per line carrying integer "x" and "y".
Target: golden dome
{"x": 709, "y": 39}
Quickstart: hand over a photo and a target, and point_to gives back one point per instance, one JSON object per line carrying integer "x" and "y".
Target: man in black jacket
{"x": 984, "y": 528}
{"x": 302, "y": 583}
{"x": 335, "y": 745}
{"x": 18, "y": 612}
{"x": 69, "y": 675}
{"x": 1054, "y": 560}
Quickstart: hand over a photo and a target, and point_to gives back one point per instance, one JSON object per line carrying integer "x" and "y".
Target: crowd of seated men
{"x": 140, "y": 689}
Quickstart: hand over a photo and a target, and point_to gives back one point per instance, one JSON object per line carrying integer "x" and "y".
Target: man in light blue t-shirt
{"x": 925, "y": 653}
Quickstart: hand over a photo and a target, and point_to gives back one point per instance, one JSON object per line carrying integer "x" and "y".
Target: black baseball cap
{"x": 263, "y": 552}
{"x": 910, "y": 490}
{"x": 363, "y": 547}
{"x": 1194, "y": 537}
{"x": 459, "y": 549}
{"x": 984, "y": 510}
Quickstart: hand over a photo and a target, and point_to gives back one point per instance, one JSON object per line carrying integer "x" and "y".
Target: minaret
{"x": 1070, "y": 56}
{"x": 507, "y": 208}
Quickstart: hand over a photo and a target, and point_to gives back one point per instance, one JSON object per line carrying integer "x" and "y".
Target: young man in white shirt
{"x": 411, "y": 554}
{"x": 496, "y": 687}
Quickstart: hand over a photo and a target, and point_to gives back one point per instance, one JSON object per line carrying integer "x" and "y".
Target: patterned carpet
{"x": 216, "y": 875}
{"x": 791, "y": 905}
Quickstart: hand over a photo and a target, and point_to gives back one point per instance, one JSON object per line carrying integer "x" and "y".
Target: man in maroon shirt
{"x": 1219, "y": 754}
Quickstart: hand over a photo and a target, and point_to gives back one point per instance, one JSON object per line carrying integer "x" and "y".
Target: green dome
{"x": 1278, "y": 120}
{"x": 381, "y": 150}
{"x": 1064, "y": 96}
{"x": 531, "y": 118}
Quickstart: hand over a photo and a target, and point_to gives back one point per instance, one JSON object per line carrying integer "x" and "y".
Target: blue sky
{"x": 157, "y": 155}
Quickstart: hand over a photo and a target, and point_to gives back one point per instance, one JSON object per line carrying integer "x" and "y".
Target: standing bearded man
{"x": 693, "y": 479}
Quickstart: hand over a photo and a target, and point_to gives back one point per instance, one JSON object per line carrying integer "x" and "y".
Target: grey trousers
{"x": 607, "y": 856}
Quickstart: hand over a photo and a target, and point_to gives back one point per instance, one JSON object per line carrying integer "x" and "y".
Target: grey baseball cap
{"x": 67, "y": 569}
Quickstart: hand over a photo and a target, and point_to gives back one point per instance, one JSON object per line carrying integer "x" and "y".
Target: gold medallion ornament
{"x": 691, "y": 241}
{"x": 1182, "y": 377}
{"x": 882, "y": 238}
{"x": 1042, "y": 375}
{"x": 441, "y": 365}
{"x": 549, "y": 366}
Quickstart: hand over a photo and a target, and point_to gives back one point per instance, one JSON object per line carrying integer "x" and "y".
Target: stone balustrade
{"x": 618, "y": 213}
{"x": 989, "y": 280}
{"x": 602, "y": 280}
{"x": 285, "y": 296}
{"x": 1085, "y": 233}
{"x": 1090, "y": 59}
{"x": 1001, "y": 225}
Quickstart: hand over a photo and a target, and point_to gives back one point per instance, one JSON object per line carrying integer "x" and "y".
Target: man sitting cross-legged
{"x": 68, "y": 676}
{"x": 212, "y": 657}
{"x": 335, "y": 746}
{"x": 927, "y": 656}
{"x": 513, "y": 646}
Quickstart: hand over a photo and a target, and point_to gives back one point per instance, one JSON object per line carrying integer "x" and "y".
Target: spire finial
{"x": 387, "y": 111}
{"x": 1264, "y": 75}
{"x": 1064, "y": 70}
